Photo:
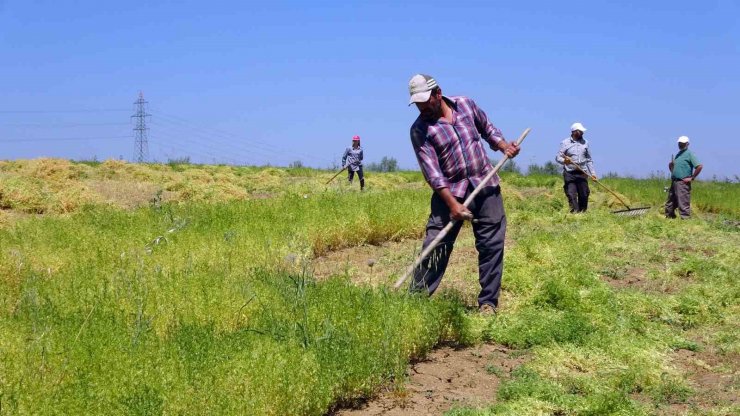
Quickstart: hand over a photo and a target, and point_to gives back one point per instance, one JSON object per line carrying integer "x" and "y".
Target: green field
{"x": 184, "y": 289}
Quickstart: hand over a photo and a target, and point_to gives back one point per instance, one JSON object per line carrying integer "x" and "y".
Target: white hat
{"x": 420, "y": 88}
{"x": 683, "y": 139}
{"x": 577, "y": 126}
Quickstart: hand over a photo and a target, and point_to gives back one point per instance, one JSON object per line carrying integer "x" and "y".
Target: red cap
{"x": 356, "y": 138}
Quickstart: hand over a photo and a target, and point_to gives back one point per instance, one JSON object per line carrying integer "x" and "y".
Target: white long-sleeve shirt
{"x": 578, "y": 152}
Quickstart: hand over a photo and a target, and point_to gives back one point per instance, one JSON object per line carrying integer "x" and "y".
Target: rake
{"x": 629, "y": 212}
{"x": 452, "y": 222}
{"x": 335, "y": 175}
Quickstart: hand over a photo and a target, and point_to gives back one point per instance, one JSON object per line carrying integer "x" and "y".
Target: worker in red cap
{"x": 352, "y": 160}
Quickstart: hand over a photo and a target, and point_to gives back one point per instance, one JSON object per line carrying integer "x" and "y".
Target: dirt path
{"x": 714, "y": 376}
{"x": 450, "y": 377}
{"x": 447, "y": 378}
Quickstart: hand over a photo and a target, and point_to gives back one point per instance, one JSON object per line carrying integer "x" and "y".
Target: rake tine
{"x": 632, "y": 212}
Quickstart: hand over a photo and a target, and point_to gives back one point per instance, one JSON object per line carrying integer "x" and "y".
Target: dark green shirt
{"x": 684, "y": 164}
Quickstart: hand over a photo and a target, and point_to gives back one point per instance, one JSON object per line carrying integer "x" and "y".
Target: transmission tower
{"x": 141, "y": 137}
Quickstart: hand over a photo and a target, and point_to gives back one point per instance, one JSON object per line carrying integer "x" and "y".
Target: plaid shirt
{"x": 452, "y": 155}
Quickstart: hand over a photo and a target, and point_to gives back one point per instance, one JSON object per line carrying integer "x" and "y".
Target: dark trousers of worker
{"x": 489, "y": 230}
{"x": 576, "y": 189}
{"x": 679, "y": 197}
{"x": 360, "y": 175}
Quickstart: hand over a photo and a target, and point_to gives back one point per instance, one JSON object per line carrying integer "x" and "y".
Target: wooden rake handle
{"x": 451, "y": 224}
{"x": 335, "y": 175}
{"x": 600, "y": 184}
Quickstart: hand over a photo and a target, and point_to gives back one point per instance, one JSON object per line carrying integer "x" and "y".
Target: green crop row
{"x": 603, "y": 303}
{"x": 206, "y": 309}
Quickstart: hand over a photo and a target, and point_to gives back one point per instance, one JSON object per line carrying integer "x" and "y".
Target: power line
{"x": 60, "y": 125}
{"x": 197, "y": 154}
{"x": 215, "y": 133}
{"x": 202, "y": 144}
{"x": 207, "y": 141}
{"x": 61, "y": 111}
{"x": 213, "y": 136}
{"x": 62, "y": 139}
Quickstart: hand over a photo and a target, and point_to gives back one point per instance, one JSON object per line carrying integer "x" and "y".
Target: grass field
{"x": 182, "y": 289}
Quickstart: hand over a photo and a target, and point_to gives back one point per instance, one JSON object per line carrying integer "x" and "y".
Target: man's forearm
{"x": 696, "y": 172}
{"x": 447, "y": 196}
{"x": 458, "y": 211}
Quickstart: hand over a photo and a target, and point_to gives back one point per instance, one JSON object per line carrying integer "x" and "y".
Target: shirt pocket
{"x": 466, "y": 126}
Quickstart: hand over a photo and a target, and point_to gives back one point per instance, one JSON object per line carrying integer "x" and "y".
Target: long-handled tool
{"x": 452, "y": 223}
{"x": 335, "y": 175}
{"x": 629, "y": 212}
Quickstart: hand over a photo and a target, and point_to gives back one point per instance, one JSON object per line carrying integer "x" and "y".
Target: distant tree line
{"x": 549, "y": 168}
{"x": 387, "y": 164}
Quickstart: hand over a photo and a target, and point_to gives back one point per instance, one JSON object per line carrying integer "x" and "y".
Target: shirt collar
{"x": 450, "y": 101}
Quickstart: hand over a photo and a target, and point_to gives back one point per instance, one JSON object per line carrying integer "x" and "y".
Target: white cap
{"x": 683, "y": 139}
{"x": 577, "y": 126}
{"x": 420, "y": 88}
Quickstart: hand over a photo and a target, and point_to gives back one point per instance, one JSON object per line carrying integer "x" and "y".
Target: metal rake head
{"x": 632, "y": 212}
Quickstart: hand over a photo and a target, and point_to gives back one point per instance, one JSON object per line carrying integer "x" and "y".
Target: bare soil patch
{"x": 637, "y": 278}
{"x": 632, "y": 277}
{"x": 381, "y": 265}
{"x": 714, "y": 377}
{"x": 447, "y": 378}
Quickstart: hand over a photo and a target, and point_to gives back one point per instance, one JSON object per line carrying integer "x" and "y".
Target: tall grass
{"x": 600, "y": 350}
{"x": 196, "y": 309}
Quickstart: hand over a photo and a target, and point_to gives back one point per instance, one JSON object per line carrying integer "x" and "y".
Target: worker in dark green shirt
{"x": 684, "y": 169}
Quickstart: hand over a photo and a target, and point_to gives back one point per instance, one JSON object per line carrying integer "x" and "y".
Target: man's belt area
{"x": 575, "y": 172}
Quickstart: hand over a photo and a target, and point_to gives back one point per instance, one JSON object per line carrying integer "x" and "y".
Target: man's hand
{"x": 458, "y": 212}
{"x": 687, "y": 180}
{"x": 567, "y": 160}
{"x": 509, "y": 149}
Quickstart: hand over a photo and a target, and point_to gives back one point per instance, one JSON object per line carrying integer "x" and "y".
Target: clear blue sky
{"x": 274, "y": 82}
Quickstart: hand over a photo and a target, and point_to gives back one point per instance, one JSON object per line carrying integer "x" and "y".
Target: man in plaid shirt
{"x": 447, "y": 141}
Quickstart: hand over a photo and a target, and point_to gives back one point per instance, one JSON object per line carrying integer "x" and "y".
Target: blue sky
{"x": 275, "y": 82}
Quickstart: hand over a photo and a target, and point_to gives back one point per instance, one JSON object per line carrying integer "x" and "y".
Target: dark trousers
{"x": 576, "y": 189}
{"x": 489, "y": 231}
{"x": 360, "y": 174}
{"x": 679, "y": 196}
